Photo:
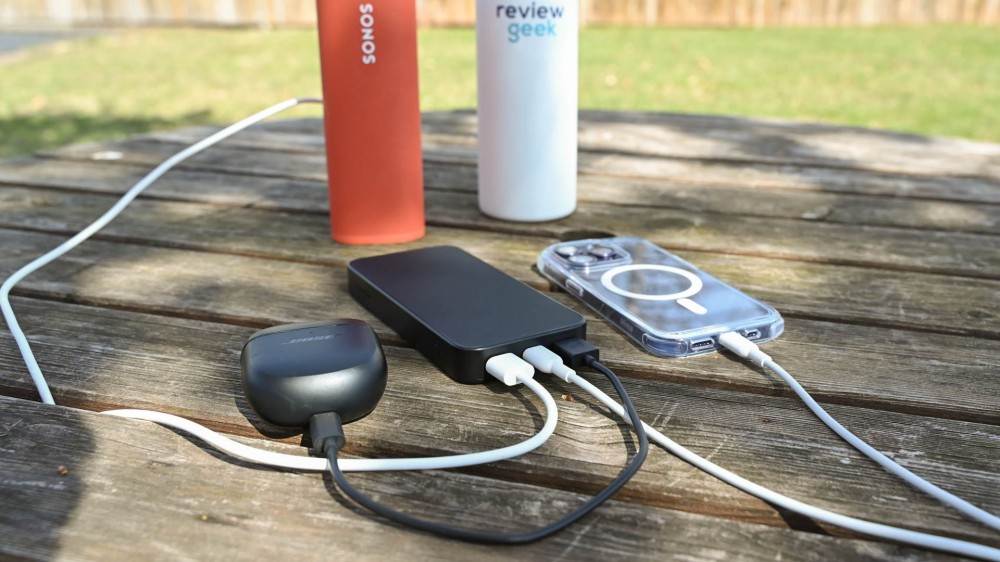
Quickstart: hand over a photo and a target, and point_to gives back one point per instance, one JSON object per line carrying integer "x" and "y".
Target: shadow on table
{"x": 44, "y": 451}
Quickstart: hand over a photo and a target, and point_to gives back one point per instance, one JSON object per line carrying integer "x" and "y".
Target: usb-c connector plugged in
{"x": 509, "y": 369}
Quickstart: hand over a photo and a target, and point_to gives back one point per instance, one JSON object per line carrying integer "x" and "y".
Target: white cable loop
{"x": 316, "y": 464}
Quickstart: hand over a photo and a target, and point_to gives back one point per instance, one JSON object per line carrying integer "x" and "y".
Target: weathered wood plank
{"x": 928, "y": 374}
{"x": 180, "y": 184}
{"x": 811, "y": 206}
{"x": 966, "y": 254}
{"x": 442, "y": 147}
{"x": 170, "y": 285}
{"x": 99, "y": 359}
{"x": 853, "y": 294}
{"x": 190, "y": 504}
{"x": 904, "y": 371}
{"x": 707, "y": 172}
{"x": 792, "y": 241}
{"x": 226, "y": 158}
{"x": 452, "y": 137}
{"x": 781, "y": 141}
{"x": 792, "y": 177}
{"x": 742, "y": 140}
{"x": 746, "y": 200}
{"x": 923, "y": 302}
{"x": 721, "y": 138}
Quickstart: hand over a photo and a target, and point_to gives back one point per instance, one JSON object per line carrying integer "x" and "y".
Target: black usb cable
{"x": 328, "y": 439}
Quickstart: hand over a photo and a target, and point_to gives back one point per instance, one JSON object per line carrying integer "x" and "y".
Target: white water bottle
{"x": 527, "y": 68}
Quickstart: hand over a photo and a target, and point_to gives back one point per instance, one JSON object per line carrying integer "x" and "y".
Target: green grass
{"x": 939, "y": 80}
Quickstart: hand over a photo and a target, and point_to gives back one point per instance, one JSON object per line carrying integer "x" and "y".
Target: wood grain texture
{"x": 449, "y": 138}
{"x": 968, "y": 254}
{"x": 973, "y": 255}
{"x": 746, "y": 196}
{"x": 960, "y": 305}
{"x": 699, "y": 137}
{"x": 881, "y": 251}
{"x": 126, "y": 361}
{"x": 135, "y": 490}
{"x": 269, "y": 291}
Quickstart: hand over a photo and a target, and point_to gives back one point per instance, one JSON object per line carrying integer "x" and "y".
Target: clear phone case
{"x": 666, "y": 305}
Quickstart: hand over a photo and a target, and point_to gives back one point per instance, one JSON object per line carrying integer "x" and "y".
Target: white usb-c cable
{"x": 548, "y": 362}
{"x": 748, "y": 350}
{"x": 517, "y": 372}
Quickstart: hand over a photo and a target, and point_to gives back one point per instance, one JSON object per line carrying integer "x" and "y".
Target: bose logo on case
{"x": 367, "y": 33}
{"x": 313, "y": 338}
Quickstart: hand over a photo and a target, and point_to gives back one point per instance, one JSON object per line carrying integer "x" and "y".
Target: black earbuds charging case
{"x": 294, "y": 371}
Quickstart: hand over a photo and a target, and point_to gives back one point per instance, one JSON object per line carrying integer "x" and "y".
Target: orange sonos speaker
{"x": 371, "y": 117}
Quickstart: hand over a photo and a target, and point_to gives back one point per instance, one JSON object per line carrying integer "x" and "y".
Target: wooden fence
{"x": 718, "y": 13}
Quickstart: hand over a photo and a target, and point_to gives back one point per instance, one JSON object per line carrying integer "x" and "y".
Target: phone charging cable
{"x": 565, "y": 356}
{"x": 748, "y": 350}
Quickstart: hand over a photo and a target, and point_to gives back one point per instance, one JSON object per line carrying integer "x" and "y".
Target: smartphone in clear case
{"x": 663, "y": 303}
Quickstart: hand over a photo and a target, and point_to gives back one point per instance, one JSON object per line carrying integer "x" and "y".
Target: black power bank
{"x": 458, "y": 310}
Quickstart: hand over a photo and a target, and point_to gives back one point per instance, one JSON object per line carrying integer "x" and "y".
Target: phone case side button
{"x": 572, "y": 287}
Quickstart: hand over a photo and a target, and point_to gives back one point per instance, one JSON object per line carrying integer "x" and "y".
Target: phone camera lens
{"x": 602, "y": 252}
{"x": 566, "y": 251}
{"x": 582, "y": 259}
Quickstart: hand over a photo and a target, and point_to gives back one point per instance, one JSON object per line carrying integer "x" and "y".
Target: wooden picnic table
{"x": 880, "y": 250}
